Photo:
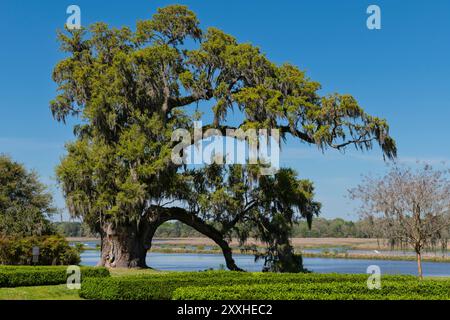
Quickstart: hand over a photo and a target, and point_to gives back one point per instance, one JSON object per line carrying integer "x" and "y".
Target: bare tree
{"x": 411, "y": 206}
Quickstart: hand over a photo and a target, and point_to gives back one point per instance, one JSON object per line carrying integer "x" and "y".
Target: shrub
{"x": 162, "y": 286}
{"x": 21, "y": 276}
{"x": 319, "y": 291}
{"x": 53, "y": 250}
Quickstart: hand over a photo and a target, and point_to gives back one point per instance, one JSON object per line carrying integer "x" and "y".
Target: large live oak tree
{"x": 131, "y": 89}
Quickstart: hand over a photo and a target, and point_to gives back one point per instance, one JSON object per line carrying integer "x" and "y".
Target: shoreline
{"x": 350, "y": 243}
{"x": 197, "y": 246}
{"x": 314, "y": 255}
{"x": 350, "y": 256}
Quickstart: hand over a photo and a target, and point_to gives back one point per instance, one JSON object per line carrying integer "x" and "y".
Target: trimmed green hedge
{"x": 163, "y": 286}
{"x": 391, "y": 290}
{"x": 21, "y": 276}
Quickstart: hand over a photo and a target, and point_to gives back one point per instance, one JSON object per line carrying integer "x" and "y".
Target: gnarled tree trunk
{"x": 125, "y": 245}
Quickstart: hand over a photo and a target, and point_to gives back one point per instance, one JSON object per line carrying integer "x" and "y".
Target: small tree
{"x": 25, "y": 205}
{"x": 410, "y": 207}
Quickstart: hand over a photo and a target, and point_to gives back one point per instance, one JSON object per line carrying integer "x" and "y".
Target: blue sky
{"x": 401, "y": 73}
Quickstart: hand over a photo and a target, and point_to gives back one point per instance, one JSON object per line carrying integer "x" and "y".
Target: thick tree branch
{"x": 182, "y": 215}
{"x": 302, "y": 135}
{"x": 187, "y": 100}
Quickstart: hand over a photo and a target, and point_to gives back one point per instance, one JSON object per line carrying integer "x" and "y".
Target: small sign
{"x": 35, "y": 254}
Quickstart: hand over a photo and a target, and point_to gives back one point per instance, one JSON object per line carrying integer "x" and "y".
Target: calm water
{"x": 411, "y": 253}
{"x": 195, "y": 262}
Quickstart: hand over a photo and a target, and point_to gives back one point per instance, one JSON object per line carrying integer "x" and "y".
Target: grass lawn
{"x": 59, "y": 292}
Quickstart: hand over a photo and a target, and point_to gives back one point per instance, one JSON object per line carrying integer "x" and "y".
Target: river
{"x": 196, "y": 262}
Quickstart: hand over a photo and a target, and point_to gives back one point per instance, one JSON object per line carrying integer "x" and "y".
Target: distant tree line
{"x": 321, "y": 228}
{"x": 166, "y": 230}
{"x": 74, "y": 229}
{"x": 333, "y": 228}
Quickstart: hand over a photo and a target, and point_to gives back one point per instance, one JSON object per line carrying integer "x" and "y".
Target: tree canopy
{"x": 25, "y": 204}
{"x": 131, "y": 89}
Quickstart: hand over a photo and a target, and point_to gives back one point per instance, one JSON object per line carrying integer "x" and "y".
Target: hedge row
{"x": 163, "y": 286}
{"x": 22, "y": 276}
{"x": 391, "y": 290}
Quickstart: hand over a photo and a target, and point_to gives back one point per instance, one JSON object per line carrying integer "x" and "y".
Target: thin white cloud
{"x": 428, "y": 160}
